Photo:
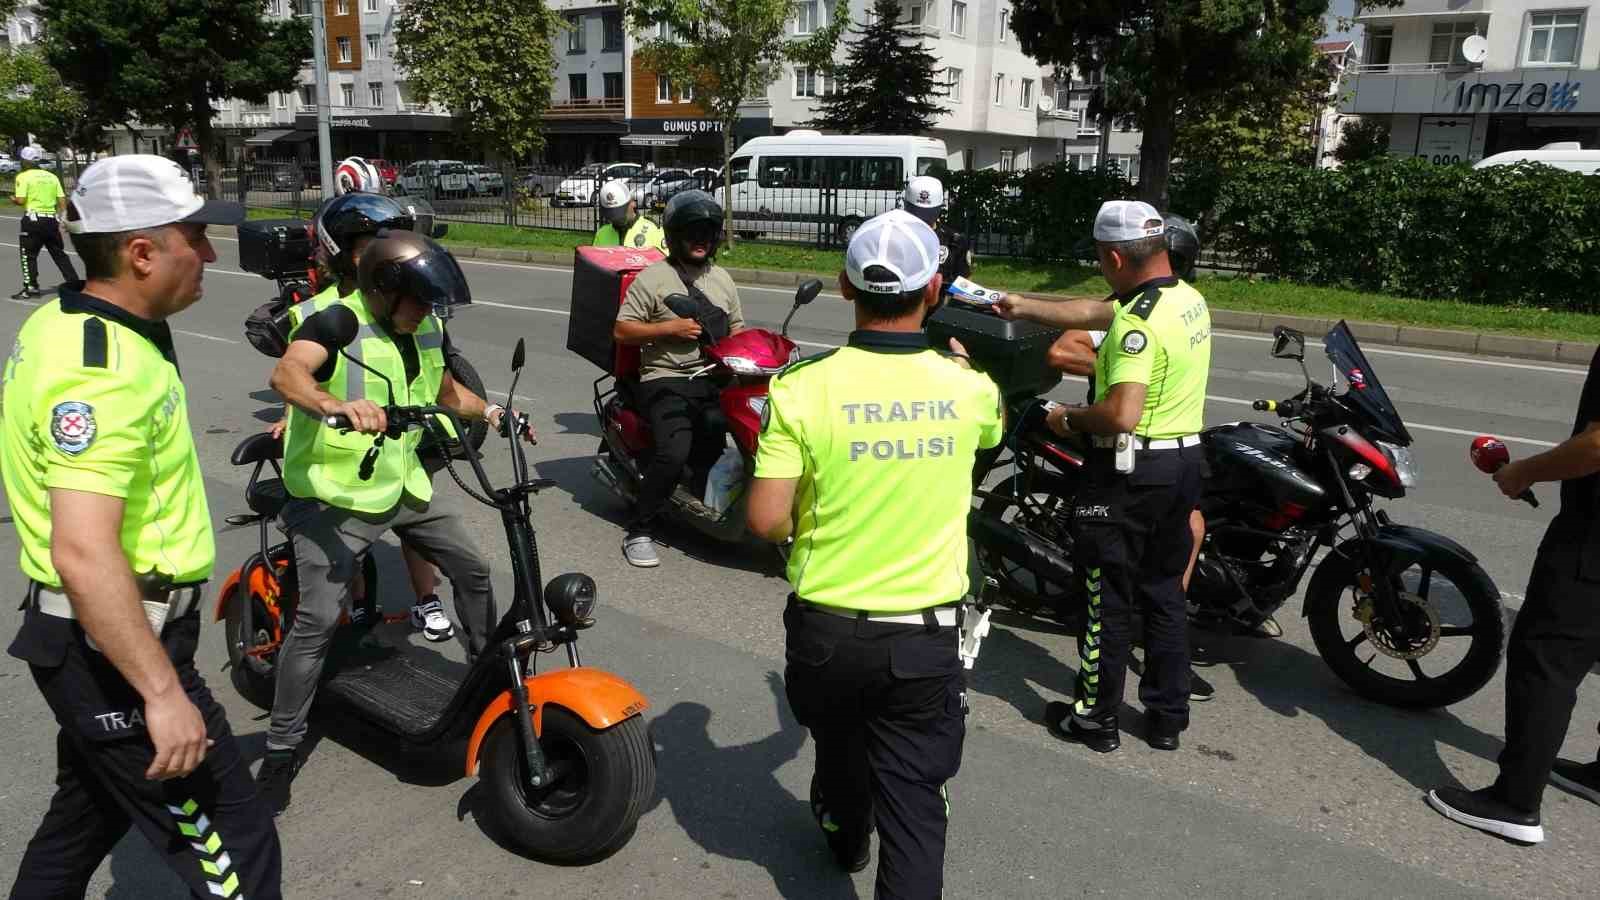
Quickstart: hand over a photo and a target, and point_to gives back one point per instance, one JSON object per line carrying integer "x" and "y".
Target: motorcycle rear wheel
{"x": 1328, "y": 607}
{"x": 1021, "y": 589}
{"x": 588, "y": 814}
{"x": 252, "y": 676}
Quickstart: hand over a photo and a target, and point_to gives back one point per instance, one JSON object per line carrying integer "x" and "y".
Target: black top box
{"x": 275, "y": 248}
{"x": 1015, "y": 354}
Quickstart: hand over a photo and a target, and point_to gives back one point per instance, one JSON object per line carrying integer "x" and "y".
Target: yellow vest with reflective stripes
{"x": 322, "y": 464}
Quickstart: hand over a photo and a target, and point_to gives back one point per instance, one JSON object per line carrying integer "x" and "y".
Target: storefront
{"x": 403, "y": 137}
{"x": 685, "y": 142}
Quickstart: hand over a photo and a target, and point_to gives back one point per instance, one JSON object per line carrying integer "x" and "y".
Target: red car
{"x": 388, "y": 171}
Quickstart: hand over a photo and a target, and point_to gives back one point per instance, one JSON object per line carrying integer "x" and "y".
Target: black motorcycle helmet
{"x": 1183, "y": 246}
{"x": 400, "y": 264}
{"x": 688, "y": 213}
{"x": 349, "y": 216}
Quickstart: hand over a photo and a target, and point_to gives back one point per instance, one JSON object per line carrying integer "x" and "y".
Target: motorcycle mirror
{"x": 341, "y": 326}
{"x": 1288, "y": 343}
{"x": 807, "y": 291}
{"x": 519, "y": 355}
{"x": 440, "y": 231}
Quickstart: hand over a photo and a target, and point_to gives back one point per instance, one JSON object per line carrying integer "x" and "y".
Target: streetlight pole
{"x": 319, "y": 41}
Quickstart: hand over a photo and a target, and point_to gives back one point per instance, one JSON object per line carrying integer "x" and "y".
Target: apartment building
{"x": 1459, "y": 80}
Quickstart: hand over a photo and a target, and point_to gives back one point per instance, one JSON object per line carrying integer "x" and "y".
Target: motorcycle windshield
{"x": 1365, "y": 395}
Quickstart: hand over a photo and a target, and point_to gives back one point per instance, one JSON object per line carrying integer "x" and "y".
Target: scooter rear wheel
{"x": 591, "y": 811}
{"x": 252, "y": 676}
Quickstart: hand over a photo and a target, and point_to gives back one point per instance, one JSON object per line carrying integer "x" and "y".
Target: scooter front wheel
{"x": 604, "y": 779}
{"x": 252, "y": 674}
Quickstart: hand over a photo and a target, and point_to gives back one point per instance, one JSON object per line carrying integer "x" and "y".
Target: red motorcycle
{"x": 743, "y": 363}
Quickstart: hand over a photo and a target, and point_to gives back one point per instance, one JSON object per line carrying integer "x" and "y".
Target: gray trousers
{"x": 327, "y": 543}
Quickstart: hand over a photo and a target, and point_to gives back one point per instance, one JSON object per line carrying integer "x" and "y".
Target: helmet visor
{"x": 433, "y": 279}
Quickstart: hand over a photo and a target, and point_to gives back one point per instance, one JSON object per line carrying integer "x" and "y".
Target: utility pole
{"x": 319, "y": 41}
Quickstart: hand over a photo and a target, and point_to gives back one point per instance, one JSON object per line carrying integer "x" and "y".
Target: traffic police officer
{"x": 924, "y": 198}
{"x": 865, "y": 459}
{"x": 42, "y": 199}
{"x": 1131, "y": 525}
{"x": 624, "y": 227}
{"x": 110, "y": 509}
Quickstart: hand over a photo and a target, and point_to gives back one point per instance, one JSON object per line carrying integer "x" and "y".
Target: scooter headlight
{"x": 1404, "y": 465}
{"x": 571, "y": 598}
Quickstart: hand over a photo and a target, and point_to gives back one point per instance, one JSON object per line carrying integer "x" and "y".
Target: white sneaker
{"x": 429, "y": 617}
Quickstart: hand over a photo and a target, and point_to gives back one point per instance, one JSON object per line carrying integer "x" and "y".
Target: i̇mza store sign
{"x": 1518, "y": 96}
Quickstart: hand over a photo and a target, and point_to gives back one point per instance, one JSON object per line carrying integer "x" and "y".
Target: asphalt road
{"x": 1287, "y": 785}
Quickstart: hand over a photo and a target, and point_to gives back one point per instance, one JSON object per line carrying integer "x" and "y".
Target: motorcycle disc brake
{"x": 1399, "y": 646}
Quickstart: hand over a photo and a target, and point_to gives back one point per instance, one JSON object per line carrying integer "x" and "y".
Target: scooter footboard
{"x": 599, "y": 698}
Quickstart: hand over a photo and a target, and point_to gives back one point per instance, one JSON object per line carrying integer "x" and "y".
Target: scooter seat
{"x": 267, "y": 497}
{"x": 257, "y": 448}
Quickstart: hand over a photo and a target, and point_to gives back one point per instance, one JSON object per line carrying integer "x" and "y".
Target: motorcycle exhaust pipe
{"x": 1035, "y": 554}
{"x": 602, "y": 472}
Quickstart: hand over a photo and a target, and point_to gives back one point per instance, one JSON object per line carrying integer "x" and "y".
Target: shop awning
{"x": 653, "y": 140}
{"x": 264, "y": 138}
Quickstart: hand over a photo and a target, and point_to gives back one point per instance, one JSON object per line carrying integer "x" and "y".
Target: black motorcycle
{"x": 1404, "y": 616}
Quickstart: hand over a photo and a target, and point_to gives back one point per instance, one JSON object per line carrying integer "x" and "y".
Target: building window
{"x": 612, "y": 82}
{"x": 1380, "y": 43}
{"x": 1005, "y": 25}
{"x": 953, "y": 85}
{"x": 999, "y": 90}
{"x": 958, "y": 19}
{"x": 922, "y": 14}
{"x": 663, "y": 31}
{"x": 805, "y": 16}
{"x": 372, "y": 5}
{"x": 308, "y": 95}
{"x": 1553, "y": 38}
{"x": 578, "y": 86}
{"x": 375, "y": 94}
{"x": 575, "y": 34}
{"x": 1027, "y": 93}
{"x": 687, "y": 94}
{"x": 277, "y": 7}
{"x": 1083, "y": 162}
{"x": 344, "y": 49}
{"x": 283, "y": 100}
{"x": 663, "y": 89}
{"x": 1445, "y": 47}
{"x": 347, "y": 93}
{"x": 612, "y": 23}
{"x": 812, "y": 82}
{"x": 342, "y": 8}
{"x": 374, "y": 45}
{"x": 1008, "y": 160}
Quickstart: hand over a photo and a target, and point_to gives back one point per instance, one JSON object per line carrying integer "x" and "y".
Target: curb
{"x": 1405, "y": 336}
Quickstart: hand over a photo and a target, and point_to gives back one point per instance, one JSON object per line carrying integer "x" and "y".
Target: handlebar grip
{"x": 1528, "y": 498}
{"x": 1264, "y": 406}
{"x": 339, "y": 421}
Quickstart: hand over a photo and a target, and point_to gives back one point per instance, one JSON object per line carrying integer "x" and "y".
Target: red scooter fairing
{"x": 754, "y": 355}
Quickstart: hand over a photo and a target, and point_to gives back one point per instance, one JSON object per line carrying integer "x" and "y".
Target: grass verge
{"x": 1221, "y": 291}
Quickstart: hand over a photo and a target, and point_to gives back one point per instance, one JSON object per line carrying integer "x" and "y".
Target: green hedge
{"x": 1518, "y": 235}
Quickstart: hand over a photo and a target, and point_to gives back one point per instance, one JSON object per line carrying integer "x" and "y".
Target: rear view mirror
{"x": 1288, "y": 343}
{"x": 341, "y": 327}
{"x": 519, "y": 355}
{"x": 440, "y": 231}
{"x": 807, "y": 291}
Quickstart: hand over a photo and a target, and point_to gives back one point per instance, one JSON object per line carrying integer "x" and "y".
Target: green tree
{"x": 163, "y": 63}
{"x": 493, "y": 63}
{"x": 1362, "y": 141}
{"x": 1248, "y": 125}
{"x": 33, "y": 100}
{"x": 1164, "y": 57}
{"x": 729, "y": 50}
{"x": 887, "y": 84}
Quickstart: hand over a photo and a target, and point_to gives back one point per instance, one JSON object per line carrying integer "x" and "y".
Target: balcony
{"x": 596, "y": 108}
{"x": 1424, "y": 8}
{"x": 1428, "y": 68}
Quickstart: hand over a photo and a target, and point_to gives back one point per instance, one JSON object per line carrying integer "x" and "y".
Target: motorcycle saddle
{"x": 258, "y": 448}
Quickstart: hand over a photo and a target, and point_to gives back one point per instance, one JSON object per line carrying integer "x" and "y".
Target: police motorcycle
{"x": 563, "y": 757}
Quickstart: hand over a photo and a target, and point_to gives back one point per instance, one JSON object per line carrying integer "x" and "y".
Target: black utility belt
{"x": 945, "y": 615}
{"x": 175, "y": 601}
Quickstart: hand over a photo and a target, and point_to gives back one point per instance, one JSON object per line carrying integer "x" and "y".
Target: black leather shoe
{"x": 1162, "y": 739}
{"x": 1485, "y": 811}
{"x": 278, "y": 770}
{"x": 1059, "y": 719}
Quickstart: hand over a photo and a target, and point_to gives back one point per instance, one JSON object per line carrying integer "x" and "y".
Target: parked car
{"x": 9, "y": 166}
{"x": 583, "y": 188}
{"x": 433, "y": 176}
{"x": 667, "y": 182}
{"x": 540, "y": 181}
{"x": 387, "y": 171}
{"x": 485, "y": 180}
{"x": 276, "y": 177}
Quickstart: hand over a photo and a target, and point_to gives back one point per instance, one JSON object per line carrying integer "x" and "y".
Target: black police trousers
{"x": 687, "y": 426}
{"x": 1132, "y": 541}
{"x": 43, "y": 233}
{"x": 886, "y": 707}
{"x": 209, "y": 827}
{"x": 1554, "y": 643}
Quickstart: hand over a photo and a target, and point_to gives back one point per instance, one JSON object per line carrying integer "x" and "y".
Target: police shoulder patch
{"x": 72, "y": 426}
{"x": 1134, "y": 342}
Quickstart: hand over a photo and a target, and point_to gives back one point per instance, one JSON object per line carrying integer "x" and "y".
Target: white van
{"x": 1568, "y": 155}
{"x": 796, "y": 184}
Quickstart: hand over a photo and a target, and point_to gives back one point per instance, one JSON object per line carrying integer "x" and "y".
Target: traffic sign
{"x": 186, "y": 140}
